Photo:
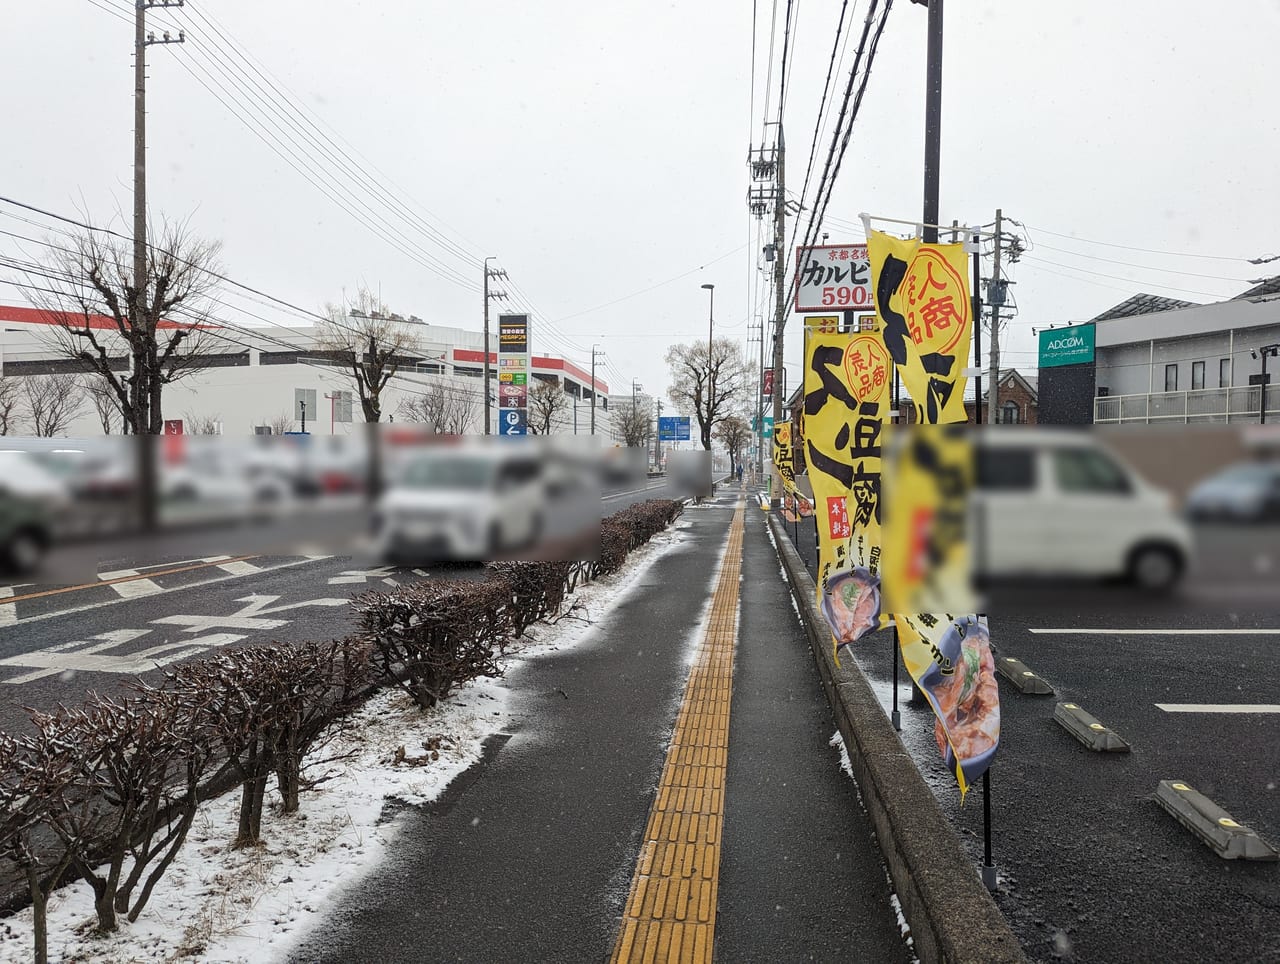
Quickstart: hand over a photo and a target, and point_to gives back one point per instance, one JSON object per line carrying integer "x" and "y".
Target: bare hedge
{"x": 108, "y": 790}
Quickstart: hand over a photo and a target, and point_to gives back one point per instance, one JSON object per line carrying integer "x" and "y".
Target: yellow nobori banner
{"x": 926, "y": 317}
{"x": 846, "y": 400}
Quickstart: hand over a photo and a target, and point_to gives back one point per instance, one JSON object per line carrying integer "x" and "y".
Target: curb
{"x": 951, "y": 915}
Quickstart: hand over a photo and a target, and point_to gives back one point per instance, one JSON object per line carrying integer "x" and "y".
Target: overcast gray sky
{"x": 599, "y": 149}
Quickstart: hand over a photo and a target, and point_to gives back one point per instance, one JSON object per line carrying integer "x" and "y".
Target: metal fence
{"x": 1204, "y": 405}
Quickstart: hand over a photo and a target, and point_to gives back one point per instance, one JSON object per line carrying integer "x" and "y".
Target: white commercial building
{"x": 250, "y": 380}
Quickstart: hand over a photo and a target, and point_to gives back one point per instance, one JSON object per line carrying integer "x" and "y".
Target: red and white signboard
{"x": 173, "y": 426}
{"x": 768, "y": 381}
{"x": 833, "y": 276}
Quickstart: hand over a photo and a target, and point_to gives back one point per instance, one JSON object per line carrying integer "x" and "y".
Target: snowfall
{"x": 224, "y": 905}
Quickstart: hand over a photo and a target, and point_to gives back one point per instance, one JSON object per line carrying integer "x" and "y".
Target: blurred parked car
{"x": 1057, "y": 503}
{"x": 465, "y": 504}
{"x": 1245, "y": 492}
{"x": 30, "y": 496}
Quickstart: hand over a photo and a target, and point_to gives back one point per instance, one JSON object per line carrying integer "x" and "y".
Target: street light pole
{"x": 711, "y": 328}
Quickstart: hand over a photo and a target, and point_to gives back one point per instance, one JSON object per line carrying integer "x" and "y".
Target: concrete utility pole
{"x": 657, "y": 434}
{"x": 711, "y": 382}
{"x": 760, "y": 406}
{"x": 780, "y": 260}
{"x": 932, "y": 121}
{"x": 593, "y": 391}
{"x": 993, "y": 379}
{"x": 148, "y": 483}
{"x": 489, "y": 273}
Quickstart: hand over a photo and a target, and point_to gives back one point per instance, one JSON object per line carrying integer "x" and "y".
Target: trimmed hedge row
{"x": 116, "y": 783}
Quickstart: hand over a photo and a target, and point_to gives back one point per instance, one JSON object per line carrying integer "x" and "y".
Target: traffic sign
{"x": 673, "y": 428}
{"x": 515, "y": 421}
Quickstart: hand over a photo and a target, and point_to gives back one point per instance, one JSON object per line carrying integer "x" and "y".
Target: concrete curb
{"x": 952, "y": 917}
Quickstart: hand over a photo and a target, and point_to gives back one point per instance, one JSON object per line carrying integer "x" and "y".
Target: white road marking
{"x": 134, "y": 588}
{"x": 8, "y": 611}
{"x": 249, "y": 616}
{"x": 353, "y": 576}
{"x": 390, "y": 582}
{"x": 1159, "y": 632}
{"x": 1220, "y": 707}
{"x": 40, "y": 617}
{"x": 239, "y": 568}
{"x": 85, "y": 656}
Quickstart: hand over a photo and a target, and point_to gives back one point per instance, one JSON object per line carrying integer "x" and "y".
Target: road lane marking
{"x": 251, "y": 616}
{"x": 88, "y": 656}
{"x": 1220, "y": 707}
{"x": 8, "y": 614}
{"x": 671, "y": 910}
{"x": 1158, "y": 632}
{"x": 107, "y": 582}
{"x": 130, "y": 588}
{"x": 88, "y": 607}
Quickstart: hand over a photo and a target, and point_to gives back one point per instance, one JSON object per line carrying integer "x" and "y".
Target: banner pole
{"x": 988, "y": 866}
{"x": 896, "y": 717}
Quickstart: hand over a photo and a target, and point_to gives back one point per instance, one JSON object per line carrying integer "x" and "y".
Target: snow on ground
{"x": 251, "y": 905}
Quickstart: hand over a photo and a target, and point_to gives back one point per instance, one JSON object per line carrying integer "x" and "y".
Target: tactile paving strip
{"x": 671, "y": 910}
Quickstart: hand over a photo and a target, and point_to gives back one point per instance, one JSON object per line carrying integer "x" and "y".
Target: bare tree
{"x": 370, "y": 344}
{"x": 200, "y": 424}
{"x": 733, "y": 432}
{"x": 99, "y": 311}
{"x": 709, "y": 388}
{"x": 104, "y": 401}
{"x": 631, "y": 425}
{"x": 547, "y": 400}
{"x": 10, "y": 405}
{"x": 429, "y": 406}
{"x": 462, "y": 410}
{"x": 280, "y": 423}
{"x": 53, "y": 402}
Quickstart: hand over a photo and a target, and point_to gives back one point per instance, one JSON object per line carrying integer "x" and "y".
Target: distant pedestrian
{"x": 739, "y": 474}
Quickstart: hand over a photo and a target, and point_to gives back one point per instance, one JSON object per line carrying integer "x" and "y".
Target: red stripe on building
{"x": 542, "y": 362}
{"x": 38, "y": 316}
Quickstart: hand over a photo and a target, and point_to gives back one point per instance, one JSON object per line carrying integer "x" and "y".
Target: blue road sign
{"x": 673, "y": 428}
{"x": 515, "y": 421}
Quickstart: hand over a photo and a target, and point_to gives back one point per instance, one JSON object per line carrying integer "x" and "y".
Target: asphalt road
{"x": 1091, "y": 868}
{"x": 144, "y": 612}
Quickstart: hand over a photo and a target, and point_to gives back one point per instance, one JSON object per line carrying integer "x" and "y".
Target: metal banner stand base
{"x": 988, "y": 865}
{"x": 895, "y": 716}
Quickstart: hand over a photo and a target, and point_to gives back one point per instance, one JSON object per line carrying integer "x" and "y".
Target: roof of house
{"x": 1142, "y": 304}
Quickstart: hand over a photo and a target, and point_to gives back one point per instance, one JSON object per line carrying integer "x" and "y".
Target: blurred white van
{"x": 1053, "y": 502}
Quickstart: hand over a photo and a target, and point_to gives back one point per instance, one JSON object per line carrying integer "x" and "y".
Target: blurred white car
{"x": 460, "y": 504}
{"x": 1057, "y": 503}
{"x": 30, "y": 498}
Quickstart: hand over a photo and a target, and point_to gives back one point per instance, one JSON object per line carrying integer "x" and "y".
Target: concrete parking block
{"x": 1213, "y": 825}
{"x": 1016, "y": 672}
{"x": 1086, "y": 728}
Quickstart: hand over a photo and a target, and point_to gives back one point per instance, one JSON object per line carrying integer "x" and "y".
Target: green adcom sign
{"x": 1066, "y": 346}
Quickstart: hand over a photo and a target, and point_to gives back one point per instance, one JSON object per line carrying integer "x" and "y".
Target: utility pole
{"x": 593, "y": 391}
{"x": 780, "y": 260}
{"x": 993, "y": 379}
{"x": 657, "y": 434}
{"x": 711, "y": 368}
{"x": 760, "y": 405}
{"x": 932, "y": 121}
{"x": 489, "y": 273}
{"x": 148, "y": 483}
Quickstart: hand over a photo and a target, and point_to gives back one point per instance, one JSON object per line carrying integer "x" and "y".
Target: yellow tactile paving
{"x": 671, "y": 910}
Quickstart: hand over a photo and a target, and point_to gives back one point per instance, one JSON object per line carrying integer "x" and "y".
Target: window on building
{"x": 1010, "y": 413}
{"x": 1170, "y": 378}
{"x": 1197, "y": 375}
{"x": 304, "y": 404}
{"x": 1103, "y": 391}
{"x": 1224, "y": 373}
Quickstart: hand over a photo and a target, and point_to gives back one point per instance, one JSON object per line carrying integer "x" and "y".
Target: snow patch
{"x": 252, "y": 905}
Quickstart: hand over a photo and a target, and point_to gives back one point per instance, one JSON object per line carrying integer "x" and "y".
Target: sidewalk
{"x": 533, "y": 855}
